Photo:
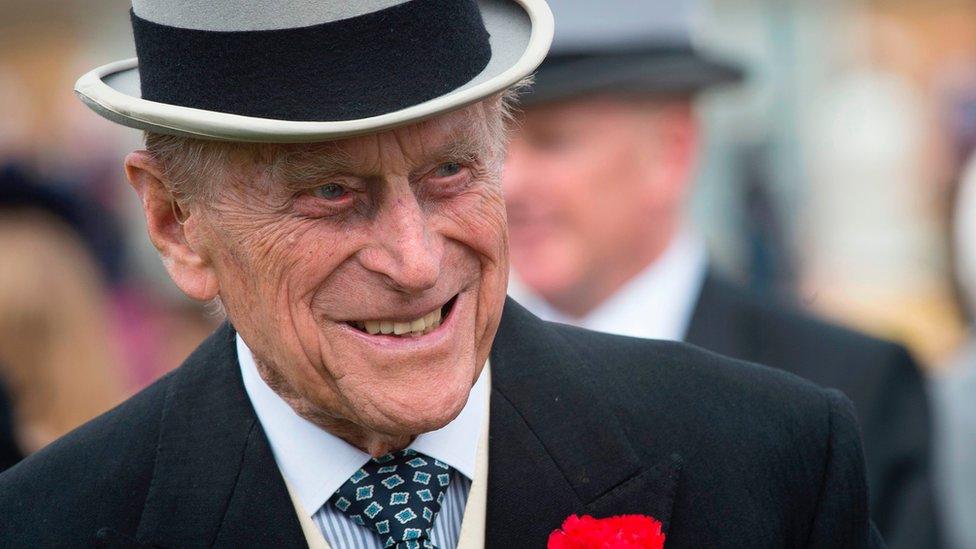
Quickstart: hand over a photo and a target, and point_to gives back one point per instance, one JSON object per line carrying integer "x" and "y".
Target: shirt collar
{"x": 316, "y": 463}
{"x": 657, "y": 303}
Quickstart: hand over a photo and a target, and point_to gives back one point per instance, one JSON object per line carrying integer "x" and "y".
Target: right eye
{"x": 330, "y": 191}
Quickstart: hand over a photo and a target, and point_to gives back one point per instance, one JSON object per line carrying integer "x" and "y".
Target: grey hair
{"x": 193, "y": 167}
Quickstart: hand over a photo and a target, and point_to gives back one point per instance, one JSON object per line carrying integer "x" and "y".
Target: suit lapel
{"x": 215, "y": 480}
{"x": 555, "y": 448}
{"x": 260, "y": 512}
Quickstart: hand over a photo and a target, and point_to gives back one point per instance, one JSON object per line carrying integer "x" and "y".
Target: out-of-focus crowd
{"x": 86, "y": 316}
{"x": 829, "y": 168}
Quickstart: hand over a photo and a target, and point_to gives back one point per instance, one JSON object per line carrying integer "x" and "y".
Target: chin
{"x": 420, "y": 416}
{"x": 549, "y": 282}
{"x": 411, "y": 396}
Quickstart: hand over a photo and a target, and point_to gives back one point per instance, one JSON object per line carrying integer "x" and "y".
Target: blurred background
{"x": 87, "y": 314}
{"x": 832, "y": 173}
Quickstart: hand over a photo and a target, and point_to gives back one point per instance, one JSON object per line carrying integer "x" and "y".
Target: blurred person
{"x": 954, "y": 387}
{"x": 596, "y": 183}
{"x": 152, "y": 330}
{"x": 15, "y": 108}
{"x": 97, "y": 228}
{"x": 56, "y": 348}
{"x": 353, "y": 228}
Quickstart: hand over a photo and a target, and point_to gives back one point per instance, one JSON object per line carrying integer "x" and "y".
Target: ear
{"x": 171, "y": 230}
{"x": 683, "y": 133}
{"x": 676, "y": 140}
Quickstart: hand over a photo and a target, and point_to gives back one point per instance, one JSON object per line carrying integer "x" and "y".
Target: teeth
{"x": 420, "y": 326}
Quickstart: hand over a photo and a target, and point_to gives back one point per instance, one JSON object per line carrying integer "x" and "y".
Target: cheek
{"x": 579, "y": 203}
{"x": 271, "y": 276}
{"x": 602, "y": 190}
{"x": 477, "y": 221}
{"x": 574, "y": 187}
{"x": 579, "y": 212}
{"x": 487, "y": 232}
{"x": 277, "y": 264}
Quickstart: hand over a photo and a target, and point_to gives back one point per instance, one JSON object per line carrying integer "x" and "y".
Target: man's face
{"x": 594, "y": 188}
{"x": 322, "y": 250}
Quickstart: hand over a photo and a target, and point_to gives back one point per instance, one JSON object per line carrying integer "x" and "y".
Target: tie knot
{"x": 397, "y": 496}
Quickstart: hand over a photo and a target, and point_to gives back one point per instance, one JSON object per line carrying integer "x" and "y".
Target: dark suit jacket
{"x": 9, "y": 452}
{"x": 725, "y": 454}
{"x": 880, "y": 378}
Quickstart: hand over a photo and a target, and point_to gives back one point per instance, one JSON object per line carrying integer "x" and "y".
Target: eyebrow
{"x": 460, "y": 148}
{"x": 306, "y": 167}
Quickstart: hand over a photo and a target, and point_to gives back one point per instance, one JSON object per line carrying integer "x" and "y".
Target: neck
{"x": 372, "y": 442}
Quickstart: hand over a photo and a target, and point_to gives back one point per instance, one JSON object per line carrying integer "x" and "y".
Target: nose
{"x": 405, "y": 250}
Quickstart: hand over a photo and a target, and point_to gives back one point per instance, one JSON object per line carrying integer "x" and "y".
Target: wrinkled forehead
{"x": 465, "y": 131}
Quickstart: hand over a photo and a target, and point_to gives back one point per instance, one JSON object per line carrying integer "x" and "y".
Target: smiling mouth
{"x": 411, "y": 328}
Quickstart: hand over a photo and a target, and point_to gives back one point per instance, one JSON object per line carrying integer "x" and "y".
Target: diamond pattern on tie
{"x": 397, "y": 496}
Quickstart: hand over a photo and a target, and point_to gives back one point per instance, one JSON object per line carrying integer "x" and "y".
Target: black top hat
{"x": 307, "y": 70}
{"x": 625, "y": 46}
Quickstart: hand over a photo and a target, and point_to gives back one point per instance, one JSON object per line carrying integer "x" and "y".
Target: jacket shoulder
{"x": 785, "y": 317}
{"x": 97, "y": 475}
{"x": 767, "y": 442}
{"x": 685, "y": 389}
{"x": 872, "y": 372}
{"x": 653, "y": 363}
{"x": 788, "y": 330}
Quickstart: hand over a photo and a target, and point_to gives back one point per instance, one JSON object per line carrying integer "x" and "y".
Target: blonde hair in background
{"x": 56, "y": 352}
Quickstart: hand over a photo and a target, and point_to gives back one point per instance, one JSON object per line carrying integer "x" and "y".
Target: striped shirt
{"x": 342, "y": 533}
{"x": 315, "y": 463}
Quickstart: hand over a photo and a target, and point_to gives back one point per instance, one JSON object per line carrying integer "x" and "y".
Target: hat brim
{"x": 656, "y": 71}
{"x": 520, "y": 34}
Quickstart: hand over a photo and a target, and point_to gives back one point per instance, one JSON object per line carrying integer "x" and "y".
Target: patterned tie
{"x": 397, "y": 496}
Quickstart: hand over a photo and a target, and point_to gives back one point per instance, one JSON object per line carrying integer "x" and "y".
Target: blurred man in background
{"x": 596, "y": 185}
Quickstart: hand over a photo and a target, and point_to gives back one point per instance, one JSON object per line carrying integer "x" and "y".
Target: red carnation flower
{"x": 622, "y": 532}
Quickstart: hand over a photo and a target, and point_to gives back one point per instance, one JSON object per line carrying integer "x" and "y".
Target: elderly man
{"x": 373, "y": 387}
{"x": 596, "y": 185}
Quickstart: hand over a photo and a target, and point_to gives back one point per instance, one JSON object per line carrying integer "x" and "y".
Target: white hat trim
{"x": 140, "y": 113}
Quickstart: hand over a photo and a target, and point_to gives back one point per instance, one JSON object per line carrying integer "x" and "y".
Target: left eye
{"x": 449, "y": 169}
{"x": 329, "y": 191}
